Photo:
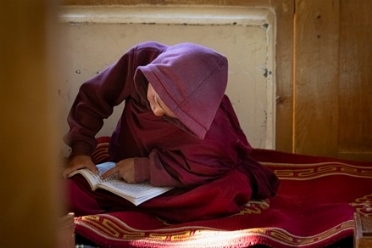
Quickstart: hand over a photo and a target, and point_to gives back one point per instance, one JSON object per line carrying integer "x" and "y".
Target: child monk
{"x": 178, "y": 128}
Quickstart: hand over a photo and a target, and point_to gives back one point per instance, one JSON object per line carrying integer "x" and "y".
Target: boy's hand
{"x": 79, "y": 162}
{"x": 125, "y": 169}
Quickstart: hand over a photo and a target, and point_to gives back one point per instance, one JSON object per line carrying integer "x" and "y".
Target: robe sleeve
{"x": 183, "y": 169}
{"x": 188, "y": 161}
{"x": 98, "y": 96}
{"x": 163, "y": 174}
{"x": 94, "y": 103}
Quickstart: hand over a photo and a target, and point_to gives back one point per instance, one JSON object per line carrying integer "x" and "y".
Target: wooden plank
{"x": 316, "y": 77}
{"x": 355, "y": 90}
{"x": 30, "y": 190}
{"x": 180, "y": 2}
{"x": 362, "y": 231}
{"x": 284, "y": 10}
{"x": 66, "y": 232}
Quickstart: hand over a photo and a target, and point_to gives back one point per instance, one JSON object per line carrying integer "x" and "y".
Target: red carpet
{"x": 314, "y": 207}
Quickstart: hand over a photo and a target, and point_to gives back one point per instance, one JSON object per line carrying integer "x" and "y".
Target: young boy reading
{"x": 178, "y": 129}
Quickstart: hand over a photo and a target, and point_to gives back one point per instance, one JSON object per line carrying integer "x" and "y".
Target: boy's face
{"x": 158, "y": 107}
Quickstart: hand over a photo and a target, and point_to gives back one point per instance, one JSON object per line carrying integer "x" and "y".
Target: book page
{"x": 136, "y": 193}
{"x": 92, "y": 178}
{"x": 102, "y": 168}
{"x": 134, "y": 190}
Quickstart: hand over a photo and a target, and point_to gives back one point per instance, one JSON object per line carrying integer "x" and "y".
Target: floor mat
{"x": 314, "y": 207}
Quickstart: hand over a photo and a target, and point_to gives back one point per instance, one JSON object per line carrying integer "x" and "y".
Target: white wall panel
{"x": 95, "y": 37}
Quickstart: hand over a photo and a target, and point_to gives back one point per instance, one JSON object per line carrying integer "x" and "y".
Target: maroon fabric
{"x": 219, "y": 198}
{"x": 197, "y": 152}
{"x": 314, "y": 207}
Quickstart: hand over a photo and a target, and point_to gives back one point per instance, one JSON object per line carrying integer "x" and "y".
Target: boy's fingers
{"x": 110, "y": 172}
{"x": 93, "y": 168}
{"x": 90, "y": 166}
{"x": 70, "y": 169}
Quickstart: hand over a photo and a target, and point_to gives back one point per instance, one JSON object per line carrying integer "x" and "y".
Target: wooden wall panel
{"x": 333, "y": 79}
{"x": 284, "y": 11}
{"x": 355, "y": 87}
{"x": 316, "y": 77}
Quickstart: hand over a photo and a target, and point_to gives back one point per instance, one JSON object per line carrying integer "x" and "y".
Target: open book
{"x": 135, "y": 193}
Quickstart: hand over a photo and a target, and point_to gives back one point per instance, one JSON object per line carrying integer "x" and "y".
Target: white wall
{"x": 95, "y": 37}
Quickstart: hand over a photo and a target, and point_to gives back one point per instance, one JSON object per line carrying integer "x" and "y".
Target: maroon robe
{"x": 203, "y": 152}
